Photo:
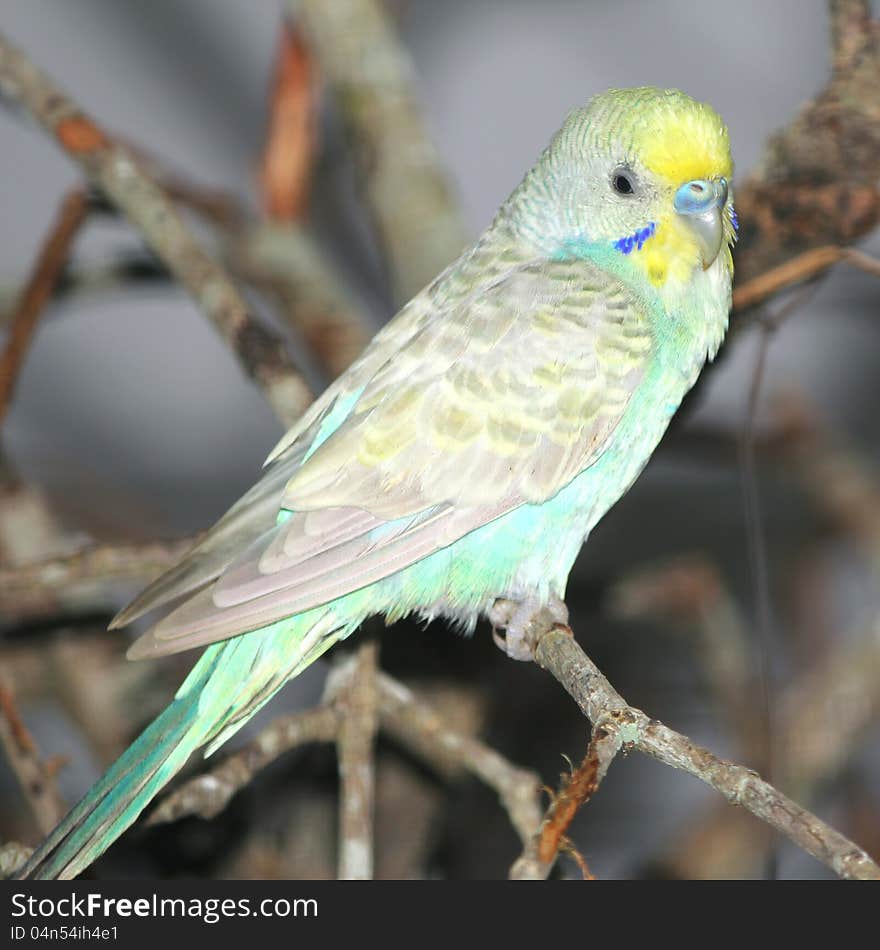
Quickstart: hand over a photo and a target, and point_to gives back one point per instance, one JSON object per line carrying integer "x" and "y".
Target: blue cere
{"x": 635, "y": 241}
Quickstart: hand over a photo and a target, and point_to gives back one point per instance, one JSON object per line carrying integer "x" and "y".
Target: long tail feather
{"x": 231, "y": 681}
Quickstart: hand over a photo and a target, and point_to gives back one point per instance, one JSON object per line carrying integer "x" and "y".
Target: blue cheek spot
{"x": 637, "y": 240}
{"x": 734, "y": 220}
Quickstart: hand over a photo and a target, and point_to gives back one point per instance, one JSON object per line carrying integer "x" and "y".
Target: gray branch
{"x": 556, "y": 651}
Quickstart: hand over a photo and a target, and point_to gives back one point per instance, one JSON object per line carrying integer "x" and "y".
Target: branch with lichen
{"x": 618, "y": 725}
{"x": 827, "y": 710}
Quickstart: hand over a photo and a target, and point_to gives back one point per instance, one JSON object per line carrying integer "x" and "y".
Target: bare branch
{"x": 408, "y": 721}
{"x": 370, "y": 74}
{"x": 209, "y": 793}
{"x": 84, "y": 580}
{"x": 798, "y": 269}
{"x": 822, "y": 716}
{"x": 35, "y": 775}
{"x": 121, "y": 177}
{"x": 420, "y": 729}
{"x": 285, "y": 261}
{"x": 358, "y": 710}
{"x": 38, "y": 290}
{"x": 555, "y": 650}
{"x": 289, "y": 152}
{"x": 129, "y": 269}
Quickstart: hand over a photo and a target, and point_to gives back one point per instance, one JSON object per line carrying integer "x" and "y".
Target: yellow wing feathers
{"x": 488, "y": 408}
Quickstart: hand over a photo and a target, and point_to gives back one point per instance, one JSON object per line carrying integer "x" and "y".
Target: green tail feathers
{"x": 230, "y": 682}
{"x": 116, "y": 800}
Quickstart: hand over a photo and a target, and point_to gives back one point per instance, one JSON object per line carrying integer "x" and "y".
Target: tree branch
{"x": 556, "y": 651}
{"x": 415, "y": 725}
{"x": 35, "y": 775}
{"x": 798, "y": 269}
{"x": 357, "y": 708}
{"x": 120, "y": 176}
{"x": 370, "y": 74}
{"x": 816, "y": 184}
{"x": 284, "y": 261}
{"x": 208, "y": 794}
{"x": 289, "y": 151}
{"x": 84, "y": 580}
{"x": 421, "y": 730}
{"x": 39, "y": 289}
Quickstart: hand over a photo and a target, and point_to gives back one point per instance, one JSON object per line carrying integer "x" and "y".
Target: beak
{"x": 700, "y": 204}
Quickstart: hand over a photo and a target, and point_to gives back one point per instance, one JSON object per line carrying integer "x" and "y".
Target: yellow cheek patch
{"x": 684, "y": 145}
{"x": 670, "y": 255}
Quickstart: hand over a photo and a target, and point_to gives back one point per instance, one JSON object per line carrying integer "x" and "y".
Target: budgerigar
{"x": 464, "y": 458}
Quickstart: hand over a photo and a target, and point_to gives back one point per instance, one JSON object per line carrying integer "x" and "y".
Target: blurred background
{"x": 134, "y": 422}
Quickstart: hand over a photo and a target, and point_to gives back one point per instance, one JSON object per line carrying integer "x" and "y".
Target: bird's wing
{"x": 245, "y": 521}
{"x": 257, "y": 510}
{"x": 501, "y": 401}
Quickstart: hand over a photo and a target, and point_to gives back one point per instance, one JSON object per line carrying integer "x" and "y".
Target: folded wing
{"x": 496, "y": 400}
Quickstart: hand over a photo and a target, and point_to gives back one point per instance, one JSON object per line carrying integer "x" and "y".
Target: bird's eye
{"x": 623, "y": 182}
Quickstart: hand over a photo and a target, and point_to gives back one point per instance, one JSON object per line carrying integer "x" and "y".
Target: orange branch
{"x": 288, "y": 155}
{"x": 38, "y": 290}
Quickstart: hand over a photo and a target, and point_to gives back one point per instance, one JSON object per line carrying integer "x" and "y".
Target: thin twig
{"x": 120, "y": 176}
{"x": 35, "y": 775}
{"x": 129, "y": 269}
{"x": 690, "y": 594}
{"x": 420, "y": 729}
{"x": 39, "y": 289}
{"x": 358, "y": 709}
{"x": 799, "y": 269}
{"x": 555, "y": 650}
{"x": 539, "y": 856}
{"x": 208, "y": 794}
{"x": 84, "y": 580}
{"x": 289, "y": 151}
{"x": 756, "y": 551}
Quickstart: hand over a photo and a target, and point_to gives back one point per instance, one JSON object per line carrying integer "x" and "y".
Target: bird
{"x": 457, "y": 467}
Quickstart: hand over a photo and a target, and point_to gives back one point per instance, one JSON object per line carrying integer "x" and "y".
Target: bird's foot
{"x": 516, "y": 622}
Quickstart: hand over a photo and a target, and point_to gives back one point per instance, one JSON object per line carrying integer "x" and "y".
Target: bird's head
{"x": 643, "y": 173}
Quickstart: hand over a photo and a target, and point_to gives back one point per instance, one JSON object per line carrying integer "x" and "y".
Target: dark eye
{"x": 622, "y": 182}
